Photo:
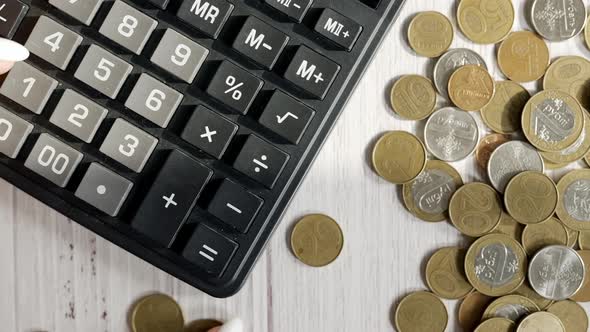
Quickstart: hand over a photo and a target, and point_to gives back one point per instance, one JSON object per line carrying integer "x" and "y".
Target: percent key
{"x": 234, "y": 87}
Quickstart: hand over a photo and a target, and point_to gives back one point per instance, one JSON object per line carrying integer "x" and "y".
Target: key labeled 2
{"x": 234, "y": 87}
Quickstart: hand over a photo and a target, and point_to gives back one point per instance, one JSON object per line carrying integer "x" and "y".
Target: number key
{"x": 53, "y": 42}
{"x": 82, "y": 10}
{"x": 154, "y": 100}
{"x": 28, "y": 86}
{"x": 13, "y": 133}
{"x": 78, "y": 115}
{"x": 129, "y": 145}
{"x": 234, "y": 87}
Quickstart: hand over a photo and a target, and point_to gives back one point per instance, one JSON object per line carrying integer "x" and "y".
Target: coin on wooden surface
{"x": 427, "y": 197}
{"x": 496, "y": 325}
{"x": 504, "y": 111}
{"x": 509, "y": 226}
{"x": 511, "y": 307}
{"x": 574, "y": 191}
{"x": 523, "y": 56}
{"x": 558, "y": 21}
{"x": 531, "y": 197}
{"x": 475, "y": 209}
{"x": 486, "y": 146}
{"x": 576, "y": 151}
{"x": 317, "y": 240}
{"x": 584, "y": 240}
{"x": 552, "y": 120}
{"x": 471, "y": 87}
{"x": 202, "y": 325}
{"x": 570, "y": 74}
{"x": 430, "y": 34}
{"x": 556, "y": 272}
{"x": 413, "y": 97}
{"x": 471, "y": 310}
{"x": 538, "y": 236}
{"x": 421, "y": 311}
{"x": 485, "y": 21}
{"x": 583, "y": 295}
{"x": 399, "y": 157}
{"x": 571, "y": 314}
{"x": 449, "y": 62}
{"x": 510, "y": 159}
{"x": 451, "y": 134}
{"x": 541, "y": 321}
{"x": 495, "y": 265}
{"x": 157, "y": 313}
{"x": 445, "y": 273}
{"x": 526, "y": 291}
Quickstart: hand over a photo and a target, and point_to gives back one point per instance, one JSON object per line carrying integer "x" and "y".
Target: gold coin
{"x": 430, "y": 34}
{"x": 497, "y": 324}
{"x": 552, "y": 120}
{"x": 399, "y": 157}
{"x": 526, "y": 291}
{"x": 531, "y": 197}
{"x": 539, "y": 236}
{"x": 587, "y": 159}
{"x": 504, "y": 111}
{"x": 445, "y": 273}
{"x": 471, "y": 310}
{"x": 584, "y": 240}
{"x": 471, "y": 87}
{"x": 583, "y": 294}
{"x": 571, "y": 314}
{"x": 512, "y": 307}
{"x": 541, "y": 322}
{"x": 485, "y": 21}
{"x": 575, "y": 152}
{"x": 495, "y": 265}
{"x": 572, "y": 235}
{"x": 553, "y": 166}
{"x": 413, "y": 97}
{"x": 317, "y": 240}
{"x": 202, "y": 325}
{"x": 587, "y": 36}
{"x": 475, "y": 209}
{"x": 523, "y": 56}
{"x": 573, "y": 208}
{"x": 157, "y": 313}
{"x": 486, "y": 146}
{"x": 509, "y": 226}
{"x": 570, "y": 74}
{"x": 421, "y": 311}
{"x": 427, "y": 196}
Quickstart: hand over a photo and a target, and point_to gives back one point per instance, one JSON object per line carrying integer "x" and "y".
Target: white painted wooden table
{"x": 57, "y": 276}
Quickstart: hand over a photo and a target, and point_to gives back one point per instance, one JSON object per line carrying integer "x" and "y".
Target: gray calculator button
{"x": 82, "y": 10}
{"x": 129, "y": 145}
{"x": 128, "y": 27}
{"x": 53, "y": 160}
{"x": 13, "y": 133}
{"x": 53, "y": 42}
{"x": 104, "y": 189}
{"x": 78, "y": 115}
{"x": 179, "y": 55}
{"x": 103, "y": 71}
{"x": 28, "y": 86}
{"x": 154, "y": 100}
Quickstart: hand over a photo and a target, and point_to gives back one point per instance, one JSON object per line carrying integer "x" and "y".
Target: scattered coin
{"x": 430, "y": 34}
{"x": 317, "y": 240}
{"x": 202, "y": 325}
{"x": 413, "y": 97}
{"x": 558, "y": 22}
{"x": 556, "y": 272}
{"x": 427, "y": 197}
{"x": 584, "y": 240}
{"x": 471, "y": 310}
{"x": 576, "y": 151}
{"x": 570, "y": 74}
{"x": 523, "y": 56}
{"x": 421, "y": 311}
{"x": 445, "y": 273}
{"x": 526, "y": 291}
{"x": 509, "y": 226}
{"x": 496, "y": 325}
{"x": 486, "y": 21}
{"x": 471, "y": 87}
{"x": 572, "y": 235}
{"x": 571, "y": 314}
{"x": 538, "y": 236}
{"x": 486, "y": 146}
{"x": 157, "y": 313}
{"x": 583, "y": 295}
{"x": 531, "y": 197}
{"x": 450, "y": 134}
{"x": 549, "y": 165}
{"x": 451, "y": 61}
{"x": 504, "y": 111}
{"x": 475, "y": 209}
{"x": 541, "y": 321}
{"x": 495, "y": 265}
{"x": 512, "y": 307}
{"x": 587, "y": 35}
{"x": 573, "y": 208}
{"x": 399, "y": 157}
{"x": 510, "y": 159}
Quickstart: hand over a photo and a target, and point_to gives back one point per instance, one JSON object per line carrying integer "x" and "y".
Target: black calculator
{"x": 179, "y": 130}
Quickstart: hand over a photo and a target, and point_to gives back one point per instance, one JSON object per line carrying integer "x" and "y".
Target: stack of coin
{"x": 529, "y": 259}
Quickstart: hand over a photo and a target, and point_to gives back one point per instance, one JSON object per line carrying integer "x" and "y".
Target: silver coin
{"x": 553, "y": 120}
{"x": 513, "y": 312}
{"x": 510, "y": 159}
{"x": 496, "y": 264}
{"x": 451, "y": 61}
{"x": 556, "y": 272}
{"x": 432, "y": 190}
{"x": 558, "y": 20}
{"x": 576, "y": 200}
{"x": 451, "y": 134}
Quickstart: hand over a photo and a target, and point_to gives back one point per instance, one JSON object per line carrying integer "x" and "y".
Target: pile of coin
{"x": 522, "y": 271}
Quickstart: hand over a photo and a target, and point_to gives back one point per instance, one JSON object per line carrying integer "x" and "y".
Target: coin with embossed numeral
{"x": 399, "y": 157}
{"x": 556, "y": 272}
{"x": 531, "y": 197}
{"x": 413, "y": 97}
{"x": 451, "y": 134}
{"x": 445, "y": 273}
{"x": 510, "y": 159}
{"x": 574, "y": 204}
{"x": 421, "y": 311}
{"x": 558, "y": 20}
{"x": 475, "y": 209}
{"x": 471, "y": 88}
{"x": 512, "y": 307}
{"x": 485, "y": 21}
{"x": 430, "y": 34}
{"x": 451, "y": 61}
{"x": 523, "y": 57}
{"x": 317, "y": 240}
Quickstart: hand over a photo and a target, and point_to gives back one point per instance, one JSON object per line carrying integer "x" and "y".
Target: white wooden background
{"x": 57, "y": 276}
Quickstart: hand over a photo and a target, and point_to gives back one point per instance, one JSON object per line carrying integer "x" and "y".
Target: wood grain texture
{"x": 57, "y": 276}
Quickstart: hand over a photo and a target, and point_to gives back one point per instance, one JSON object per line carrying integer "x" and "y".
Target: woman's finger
{"x": 11, "y": 52}
{"x": 234, "y": 325}
{"x": 5, "y": 66}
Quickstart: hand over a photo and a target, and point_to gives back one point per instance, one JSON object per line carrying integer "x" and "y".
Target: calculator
{"x": 179, "y": 130}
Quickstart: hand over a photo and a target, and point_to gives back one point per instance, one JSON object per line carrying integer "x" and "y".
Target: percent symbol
{"x": 234, "y": 88}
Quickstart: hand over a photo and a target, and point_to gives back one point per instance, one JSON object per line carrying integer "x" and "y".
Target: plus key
{"x": 312, "y": 72}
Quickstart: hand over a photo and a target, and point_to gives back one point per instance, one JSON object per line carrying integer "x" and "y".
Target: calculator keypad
{"x": 12, "y": 13}
{"x": 78, "y": 115}
{"x": 53, "y": 42}
{"x": 207, "y": 16}
{"x": 286, "y": 117}
{"x": 261, "y": 161}
{"x": 234, "y": 87}
{"x": 14, "y": 131}
{"x": 83, "y": 11}
{"x": 103, "y": 71}
{"x": 29, "y": 87}
{"x": 260, "y": 42}
{"x": 154, "y": 100}
{"x": 209, "y": 131}
{"x": 104, "y": 189}
{"x": 312, "y": 72}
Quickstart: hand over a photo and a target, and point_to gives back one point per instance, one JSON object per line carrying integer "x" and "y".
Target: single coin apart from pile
{"x": 451, "y": 134}
{"x": 504, "y": 111}
{"x": 471, "y": 88}
{"x": 572, "y": 315}
{"x": 421, "y": 311}
{"x": 511, "y": 307}
{"x": 449, "y": 62}
{"x": 399, "y": 157}
{"x": 496, "y": 325}
{"x": 445, "y": 273}
{"x": 556, "y": 272}
{"x": 317, "y": 240}
{"x": 472, "y": 308}
{"x": 413, "y": 97}
{"x": 523, "y": 56}
{"x": 475, "y": 209}
{"x": 541, "y": 321}
{"x": 485, "y": 21}
{"x": 510, "y": 159}
{"x": 531, "y": 197}
{"x": 157, "y": 313}
{"x": 558, "y": 21}
{"x": 430, "y": 34}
